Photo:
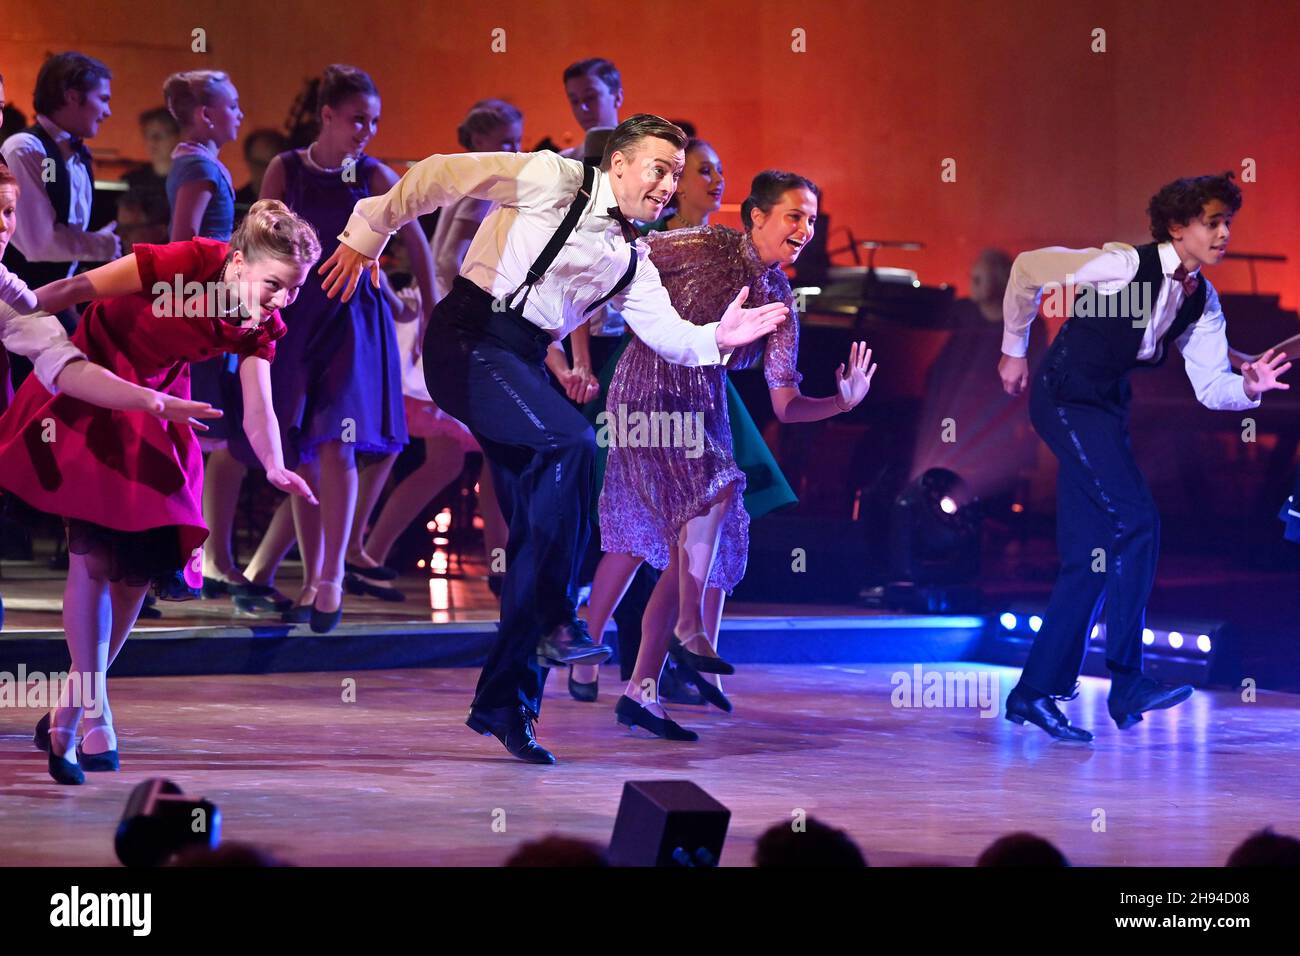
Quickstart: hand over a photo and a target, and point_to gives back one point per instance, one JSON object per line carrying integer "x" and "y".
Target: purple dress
{"x": 337, "y": 374}
{"x": 651, "y": 492}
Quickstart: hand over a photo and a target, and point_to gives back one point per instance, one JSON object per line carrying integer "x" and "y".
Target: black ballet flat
{"x": 214, "y": 588}
{"x": 632, "y": 714}
{"x": 705, "y": 665}
{"x": 42, "y": 736}
{"x": 65, "y": 771}
{"x": 298, "y": 614}
{"x": 358, "y": 585}
{"x": 98, "y": 763}
{"x": 380, "y": 572}
{"x": 253, "y": 598}
{"x": 582, "y": 691}
{"x": 322, "y": 622}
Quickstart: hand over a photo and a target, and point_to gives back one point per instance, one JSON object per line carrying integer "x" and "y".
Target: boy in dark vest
{"x": 56, "y": 183}
{"x": 1128, "y": 306}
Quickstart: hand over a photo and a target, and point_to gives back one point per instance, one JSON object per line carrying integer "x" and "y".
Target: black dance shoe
{"x": 322, "y": 622}
{"x": 495, "y": 583}
{"x": 149, "y": 609}
{"x": 380, "y": 572}
{"x": 632, "y": 714}
{"x": 683, "y": 684}
{"x": 64, "y": 771}
{"x": 298, "y": 614}
{"x": 355, "y": 584}
{"x": 1042, "y": 711}
{"x": 253, "y": 598}
{"x": 1128, "y": 699}
{"x": 104, "y": 761}
{"x": 513, "y": 726}
{"x": 42, "y": 736}
{"x": 584, "y": 692}
{"x": 174, "y": 587}
{"x": 571, "y": 644}
{"x": 705, "y": 665}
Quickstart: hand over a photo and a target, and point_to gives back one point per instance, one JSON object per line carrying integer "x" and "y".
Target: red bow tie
{"x": 629, "y": 230}
{"x": 1188, "y": 281}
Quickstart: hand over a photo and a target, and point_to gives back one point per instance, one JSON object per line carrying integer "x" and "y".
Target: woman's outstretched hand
{"x": 182, "y": 410}
{"x": 292, "y": 482}
{"x": 740, "y": 326}
{"x": 854, "y": 381}
{"x": 343, "y": 269}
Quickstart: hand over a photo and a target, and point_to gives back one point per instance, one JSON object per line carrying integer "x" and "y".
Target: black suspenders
{"x": 548, "y": 254}
{"x": 557, "y": 241}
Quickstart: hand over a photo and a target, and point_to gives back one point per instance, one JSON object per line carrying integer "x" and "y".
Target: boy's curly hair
{"x": 1181, "y": 201}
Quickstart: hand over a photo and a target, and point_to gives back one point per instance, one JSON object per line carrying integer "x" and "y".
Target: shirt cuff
{"x": 1253, "y": 402}
{"x": 358, "y": 235}
{"x": 51, "y": 363}
{"x": 1017, "y": 346}
{"x": 709, "y": 354}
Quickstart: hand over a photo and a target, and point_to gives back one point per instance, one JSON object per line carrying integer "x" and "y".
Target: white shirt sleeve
{"x": 649, "y": 313}
{"x": 1205, "y": 357}
{"x": 41, "y": 339}
{"x": 523, "y": 180}
{"x": 1108, "y": 269}
{"x": 38, "y": 237}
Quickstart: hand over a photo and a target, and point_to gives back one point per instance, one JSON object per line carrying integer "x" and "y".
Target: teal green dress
{"x": 766, "y": 489}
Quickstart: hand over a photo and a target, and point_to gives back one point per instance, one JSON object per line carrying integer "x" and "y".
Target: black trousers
{"x": 486, "y": 368}
{"x": 1107, "y": 526}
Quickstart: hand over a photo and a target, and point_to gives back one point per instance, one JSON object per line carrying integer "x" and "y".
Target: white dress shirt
{"x": 1108, "y": 270}
{"x": 38, "y": 337}
{"x": 37, "y": 236}
{"x": 533, "y": 192}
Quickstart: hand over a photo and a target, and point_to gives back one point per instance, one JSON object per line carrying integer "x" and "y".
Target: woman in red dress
{"x": 130, "y": 486}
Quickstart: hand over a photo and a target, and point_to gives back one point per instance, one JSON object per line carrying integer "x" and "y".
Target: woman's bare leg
{"x": 273, "y": 547}
{"x": 656, "y": 629}
{"x": 338, "y": 502}
{"x": 370, "y": 484}
{"x": 307, "y": 525}
{"x": 698, "y": 546}
{"x": 444, "y": 459}
{"x": 223, "y": 475}
{"x": 614, "y": 574}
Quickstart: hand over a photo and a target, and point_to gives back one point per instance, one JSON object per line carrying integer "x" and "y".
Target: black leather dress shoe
{"x": 632, "y": 714}
{"x": 571, "y": 644}
{"x": 677, "y": 685}
{"x": 513, "y": 726}
{"x": 1127, "y": 703}
{"x": 1041, "y": 710}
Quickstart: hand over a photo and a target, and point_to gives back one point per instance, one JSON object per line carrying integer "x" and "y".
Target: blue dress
{"x": 216, "y": 380}
{"x": 337, "y": 374}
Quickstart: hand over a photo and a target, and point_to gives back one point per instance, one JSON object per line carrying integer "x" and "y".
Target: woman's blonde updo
{"x": 272, "y": 229}
{"x": 185, "y": 92}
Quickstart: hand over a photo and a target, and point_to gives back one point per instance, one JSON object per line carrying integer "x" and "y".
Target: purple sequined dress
{"x": 650, "y": 492}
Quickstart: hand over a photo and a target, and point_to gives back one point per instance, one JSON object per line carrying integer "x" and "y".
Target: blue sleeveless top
{"x": 219, "y": 218}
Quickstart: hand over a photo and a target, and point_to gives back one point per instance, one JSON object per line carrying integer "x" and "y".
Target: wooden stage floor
{"x": 397, "y": 779}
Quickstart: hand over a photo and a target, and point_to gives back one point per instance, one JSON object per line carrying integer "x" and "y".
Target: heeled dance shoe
{"x": 632, "y": 714}
{"x": 64, "y": 771}
{"x": 322, "y": 622}
{"x": 702, "y": 663}
{"x": 364, "y": 587}
{"x": 583, "y": 691}
{"x": 380, "y": 572}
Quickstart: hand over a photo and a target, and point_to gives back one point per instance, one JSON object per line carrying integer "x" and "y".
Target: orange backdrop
{"x": 1053, "y": 143}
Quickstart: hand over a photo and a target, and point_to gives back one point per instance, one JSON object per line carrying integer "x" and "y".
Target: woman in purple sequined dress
{"x": 673, "y": 493}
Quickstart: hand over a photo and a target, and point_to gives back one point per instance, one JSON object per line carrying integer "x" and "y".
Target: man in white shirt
{"x": 558, "y": 244}
{"x": 1131, "y": 303}
{"x": 56, "y": 183}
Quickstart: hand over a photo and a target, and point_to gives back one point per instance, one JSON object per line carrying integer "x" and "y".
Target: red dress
{"x": 129, "y": 471}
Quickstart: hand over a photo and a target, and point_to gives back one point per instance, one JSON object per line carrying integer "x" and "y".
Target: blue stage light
{"x": 1035, "y": 622}
{"x": 1008, "y": 621}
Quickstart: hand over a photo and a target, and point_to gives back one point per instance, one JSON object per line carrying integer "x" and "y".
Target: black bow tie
{"x": 1188, "y": 281}
{"x": 629, "y": 230}
{"x": 79, "y": 150}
